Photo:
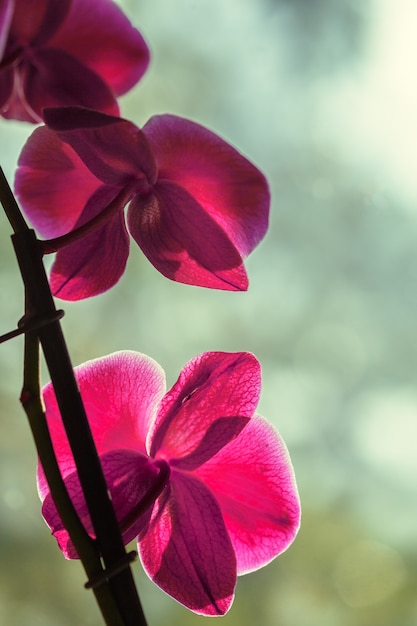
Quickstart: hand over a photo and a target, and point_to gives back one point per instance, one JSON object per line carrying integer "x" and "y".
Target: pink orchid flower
{"x": 203, "y": 482}
{"x": 197, "y": 207}
{"x": 66, "y": 52}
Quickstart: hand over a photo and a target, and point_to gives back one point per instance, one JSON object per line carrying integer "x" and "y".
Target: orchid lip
{"x": 149, "y": 498}
{"x": 141, "y": 186}
{"x": 12, "y": 60}
{"x": 49, "y": 246}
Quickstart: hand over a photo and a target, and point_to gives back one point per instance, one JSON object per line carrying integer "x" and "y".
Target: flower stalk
{"x": 31, "y": 402}
{"x": 109, "y": 545}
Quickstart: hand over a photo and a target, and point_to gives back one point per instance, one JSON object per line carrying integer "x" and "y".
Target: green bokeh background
{"x": 322, "y": 95}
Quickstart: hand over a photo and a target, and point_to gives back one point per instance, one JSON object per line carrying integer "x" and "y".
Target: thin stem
{"x": 53, "y": 245}
{"x": 77, "y": 428}
{"x": 10, "y": 206}
{"x": 83, "y": 544}
{"x": 38, "y": 294}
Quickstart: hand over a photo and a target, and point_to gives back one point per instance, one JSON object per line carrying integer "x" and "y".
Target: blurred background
{"x": 322, "y": 96}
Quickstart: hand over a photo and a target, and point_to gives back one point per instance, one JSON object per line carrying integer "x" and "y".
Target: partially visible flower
{"x": 197, "y": 206}
{"x": 203, "y": 482}
{"x": 66, "y": 52}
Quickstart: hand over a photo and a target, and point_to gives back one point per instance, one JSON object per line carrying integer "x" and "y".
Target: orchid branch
{"x": 31, "y": 402}
{"x": 39, "y": 297}
{"x": 10, "y": 206}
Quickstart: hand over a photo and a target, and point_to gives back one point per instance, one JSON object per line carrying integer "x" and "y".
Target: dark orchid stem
{"x": 53, "y": 245}
{"x": 10, "y": 206}
{"x": 90, "y": 558}
{"x": 73, "y": 414}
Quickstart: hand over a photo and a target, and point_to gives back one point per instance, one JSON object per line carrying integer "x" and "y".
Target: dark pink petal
{"x": 6, "y": 72}
{"x": 130, "y": 476}
{"x": 27, "y": 19}
{"x": 35, "y": 22}
{"x": 186, "y": 549}
{"x": 96, "y": 262}
{"x": 121, "y": 393}
{"x": 253, "y": 481}
{"x": 115, "y": 150}
{"x": 211, "y": 386}
{"x": 182, "y": 241}
{"x": 53, "y": 520}
{"x": 54, "y": 78}
{"x": 17, "y": 107}
{"x": 229, "y": 188}
{"x": 52, "y": 183}
{"x": 6, "y": 14}
{"x": 218, "y": 434}
{"x": 101, "y": 37}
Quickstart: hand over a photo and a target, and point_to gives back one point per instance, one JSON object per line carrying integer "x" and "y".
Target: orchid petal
{"x": 101, "y": 36}
{"x": 211, "y": 386}
{"x": 186, "y": 549}
{"x": 254, "y": 484}
{"x": 121, "y": 393}
{"x": 52, "y": 183}
{"x": 53, "y": 520}
{"x": 220, "y": 179}
{"x": 17, "y": 107}
{"x": 182, "y": 241}
{"x": 218, "y": 434}
{"x": 27, "y": 19}
{"x": 36, "y": 22}
{"x": 129, "y": 477}
{"x": 6, "y": 14}
{"x": 74, "y": 274}
{"x": 115, "y": 150}
{"x": 54, "y": 78}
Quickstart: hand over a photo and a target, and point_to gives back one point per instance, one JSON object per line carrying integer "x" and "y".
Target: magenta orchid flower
{"x": 204, "y": 483}
{"x": 66, "y": 52}
{"x": 197, "y": 207}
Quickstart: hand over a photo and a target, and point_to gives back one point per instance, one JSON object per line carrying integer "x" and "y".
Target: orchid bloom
{"x": 203, "y": 482}
{"x": 196, "y": 206}
{"x": 66, "y": 52}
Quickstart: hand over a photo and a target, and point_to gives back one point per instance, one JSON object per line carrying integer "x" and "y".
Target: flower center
{"x": 12, "y": 59}
{"x": 123, "y": 197}
{"x": 141, "y": 186}
{"x": 149, "y": 498}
